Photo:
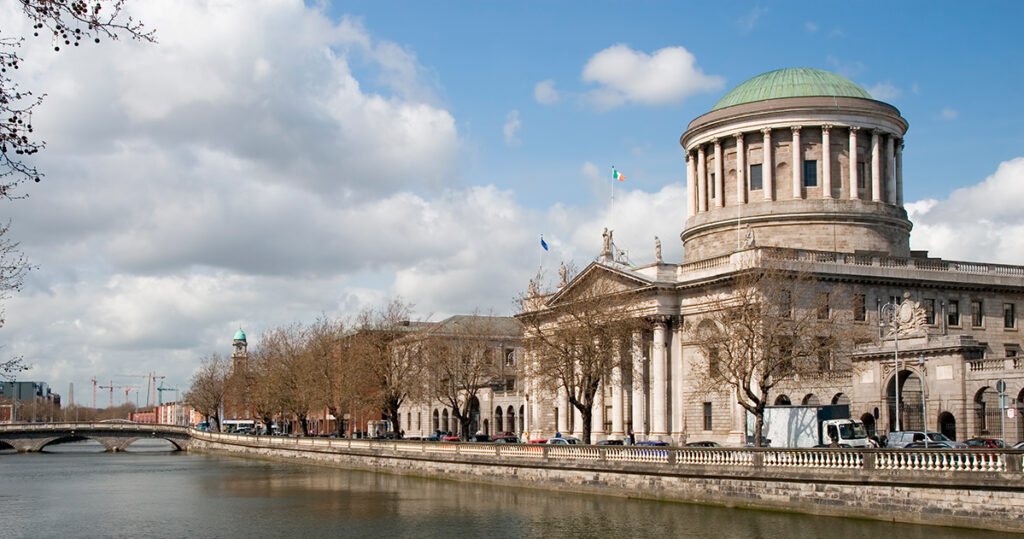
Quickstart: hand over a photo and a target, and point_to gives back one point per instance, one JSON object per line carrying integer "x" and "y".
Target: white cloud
{"x": 811, "y": 27}
{"x": 667, "y": 76}
{"x": 511, "y": 128}
{"x": 544, "y": 92}
{"x": 883, "y": 91}
{"x": 846, "y": 68}
{"x": 948, "y": 113}
{"x": 982, "y": 222}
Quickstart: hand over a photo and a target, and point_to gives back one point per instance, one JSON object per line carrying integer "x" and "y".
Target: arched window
{"x": 444, "y": 421}
{"x": 522, "y": 419}
{"x": 511, "y": 422}
{"x": 437, "y": 421}
{"x": 498, "y": 423}
{"x": 841, "y": 398}
{"x": 782, "y": 400}
{"x": 810, "y": 399}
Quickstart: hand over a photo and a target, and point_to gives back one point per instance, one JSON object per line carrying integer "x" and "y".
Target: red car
{"x": 539, "y": 441}
{"x": 985, "y": 443}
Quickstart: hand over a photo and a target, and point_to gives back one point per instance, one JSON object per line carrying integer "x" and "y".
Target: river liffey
{"x": 75, "y": 491}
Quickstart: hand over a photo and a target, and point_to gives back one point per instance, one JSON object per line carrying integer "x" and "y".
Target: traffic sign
{"x": 1001, "y": 386}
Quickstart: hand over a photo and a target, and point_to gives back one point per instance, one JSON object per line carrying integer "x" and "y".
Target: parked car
{"x": 928, "y": 445}
{"x": 903, "y": 438}
{"x": 610, "y": 442}
{"x": 1018, "y": 445}
{"x": 450, "y": 439}
{"x": 480, "y": 437}
{"x": 538, "y": 441}
{"x": 703, "y": 444}
{"x": 985, "y": 443}
{"x": 564, "y": 440}
{"x": 655, "y": 443}
{"x": 506, "y": 439}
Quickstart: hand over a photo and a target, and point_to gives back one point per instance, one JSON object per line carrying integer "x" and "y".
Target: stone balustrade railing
{"x": 921, "y": 462}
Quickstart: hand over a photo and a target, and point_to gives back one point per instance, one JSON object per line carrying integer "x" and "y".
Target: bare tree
{"x": 291, "y": 372}
{"x": 392, "y": 371}
{"x": 208, "y": 388}
{"x": 13, "y": 267}
{"x": 576, "y": 342}
{"x": 769, "y": 327}
{"x": 461, "y": 356}
{"x": 66, "y": 23}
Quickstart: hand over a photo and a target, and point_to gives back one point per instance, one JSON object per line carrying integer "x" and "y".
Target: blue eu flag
{"x": 543, "y": 243}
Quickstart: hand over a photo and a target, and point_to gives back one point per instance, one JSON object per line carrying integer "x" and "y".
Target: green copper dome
{"x": 791, "y": 82}
{"x": 239, "y": 335}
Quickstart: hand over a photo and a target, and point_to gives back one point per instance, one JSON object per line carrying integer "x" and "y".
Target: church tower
{"x": 239, "y": 356}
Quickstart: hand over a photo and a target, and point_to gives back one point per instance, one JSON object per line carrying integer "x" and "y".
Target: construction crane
{"x": 151, "y": 379}
{"x": 112, "y": 387}
{"x": 161, "y": 390}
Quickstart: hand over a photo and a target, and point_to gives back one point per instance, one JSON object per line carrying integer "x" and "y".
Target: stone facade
{"x": 841, "y": 220}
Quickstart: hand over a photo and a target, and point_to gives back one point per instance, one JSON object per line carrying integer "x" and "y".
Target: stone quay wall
{"x": 975, "y": 489}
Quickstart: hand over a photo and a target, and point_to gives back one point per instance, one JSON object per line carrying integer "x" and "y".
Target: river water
{"x": 75, "y": 491}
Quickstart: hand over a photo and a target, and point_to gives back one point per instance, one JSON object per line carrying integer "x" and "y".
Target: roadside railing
{"x": 922, "y": 461}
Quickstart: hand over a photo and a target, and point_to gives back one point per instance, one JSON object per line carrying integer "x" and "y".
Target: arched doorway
{"x": 1019, "y": 412}
{"x": 436, "y": 422}
{"x": 841, "y": 398}
{"x": 869, "y": 423}
{"x": 474, "y": 416}
{"x": 947, "y": 425}
{"x": 522, "y": 419}
{"x": 486, "y": 429}
{"x": 499, "y": 424}
{"x": 511, "y": 419}
{"x": 444, "y": 421}
{"x": 910, "y": 405}
{"x": 810, "y": 399}
{"x": 986, "y": 412}
{"x": 782, "y": 400}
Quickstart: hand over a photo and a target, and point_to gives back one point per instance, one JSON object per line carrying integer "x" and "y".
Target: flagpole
{"x": 611, "y": 203}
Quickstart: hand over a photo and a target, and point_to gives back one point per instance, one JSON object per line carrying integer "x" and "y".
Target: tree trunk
{"x": 587, "y": 413}
{"x": 302, "y": 424}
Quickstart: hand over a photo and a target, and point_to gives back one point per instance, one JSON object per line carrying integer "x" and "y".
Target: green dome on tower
{"x": 239, "y": 335}
{"x": 791, "y": 82}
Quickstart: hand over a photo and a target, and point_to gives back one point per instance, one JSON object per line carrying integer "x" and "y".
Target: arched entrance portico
{"x": 911, "y": 402}
{"x": 947, "y": 425}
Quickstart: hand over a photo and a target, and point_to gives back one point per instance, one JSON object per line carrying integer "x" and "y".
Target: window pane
{"x": 859, "y": 307}
{"x": 1009, "y": 316}
{"x": 929, "y": 311}
{"x": 976, "y": 317}
{"x": 954, "y": 312}
{"x": 810, "y": 173}
{"x": 755, "y": 177}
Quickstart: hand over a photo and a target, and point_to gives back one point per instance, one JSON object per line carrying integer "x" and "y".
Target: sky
{"x": 271, "y": 161}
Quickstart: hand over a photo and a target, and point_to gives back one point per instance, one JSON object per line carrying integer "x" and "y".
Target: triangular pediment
{"x": 598, "y": 278}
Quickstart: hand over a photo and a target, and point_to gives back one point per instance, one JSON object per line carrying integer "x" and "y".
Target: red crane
{"x": 112, "y": 387}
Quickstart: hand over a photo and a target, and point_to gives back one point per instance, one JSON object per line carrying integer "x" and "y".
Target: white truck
{"x": 809, "y": 426}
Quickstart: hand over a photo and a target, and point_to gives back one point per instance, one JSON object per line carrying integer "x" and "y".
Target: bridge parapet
{"x": 114, "y": 436}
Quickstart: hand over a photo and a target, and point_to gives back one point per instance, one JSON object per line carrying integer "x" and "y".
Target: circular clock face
{"x": 905, "y": 313}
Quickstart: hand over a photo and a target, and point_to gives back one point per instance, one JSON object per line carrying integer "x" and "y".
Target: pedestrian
{"x": 632, "y": 437}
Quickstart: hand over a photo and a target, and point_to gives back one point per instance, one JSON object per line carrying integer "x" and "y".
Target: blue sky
{"x": 271, "y": 161}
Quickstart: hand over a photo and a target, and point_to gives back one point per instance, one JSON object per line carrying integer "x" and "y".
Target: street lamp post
{"x": 889, "y": 315}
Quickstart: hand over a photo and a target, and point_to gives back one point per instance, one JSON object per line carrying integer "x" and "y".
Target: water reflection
{"x": 180, "y": 495}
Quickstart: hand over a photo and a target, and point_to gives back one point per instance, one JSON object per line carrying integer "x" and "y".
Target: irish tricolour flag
{"x": 616, "y": 175}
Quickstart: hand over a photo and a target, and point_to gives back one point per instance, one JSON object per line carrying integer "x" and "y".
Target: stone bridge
{"x": 115, "y": 436}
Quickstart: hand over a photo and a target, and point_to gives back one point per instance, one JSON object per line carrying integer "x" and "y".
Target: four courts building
{"x": 801, "y": 169}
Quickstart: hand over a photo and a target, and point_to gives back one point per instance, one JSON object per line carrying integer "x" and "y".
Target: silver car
{"x": 907, "y": 437}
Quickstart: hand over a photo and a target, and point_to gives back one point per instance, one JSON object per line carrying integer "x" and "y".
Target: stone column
{"x": 639, "y": 384}
{"x": 691, "y": 196}
{"x": 577, "y": 422}
{"x": 899, "y": 174}
{"x": 854, "y": 181}
{"x": 597, "y": 412}
{"x": 876, "y": 167}
{"x": 741, "y": 170}
{"x": 719, "y": 174}
{"x": 617, "y": 394}
{"x": 766, "y": 165}
{"x": 702, "y": 180}
{"x": 798, "y": 164}
{"x": 562, "y": 423}
{"x": 659, "y": 381}
{"x": 890, "y": 177}
{"x": 826, "y": 161}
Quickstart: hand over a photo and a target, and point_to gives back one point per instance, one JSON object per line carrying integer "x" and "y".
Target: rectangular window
{"x": 1011, "y": 350}
{"x": 976, "y": 317}
{"x": 1009, "y": 316}
{"x": 711, "y": 185}
{"x": 824, "y": 310}
{"x": 785, "y": 304}
{"x": 929, "y": 311}
{"x": 895, "y": 300}
{"x": 862, "y": 175}
{"x": 810, "y": 173}
{"x": 859, "y": 307}
{"x": 755, "y": 178}
{"x": 707, "y": 416}
{"x": 953, "y": 314}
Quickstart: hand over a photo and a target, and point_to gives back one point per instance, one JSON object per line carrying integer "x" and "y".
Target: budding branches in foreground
{"x": 768, "y": 328}
{"x": 66, "y": 23}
